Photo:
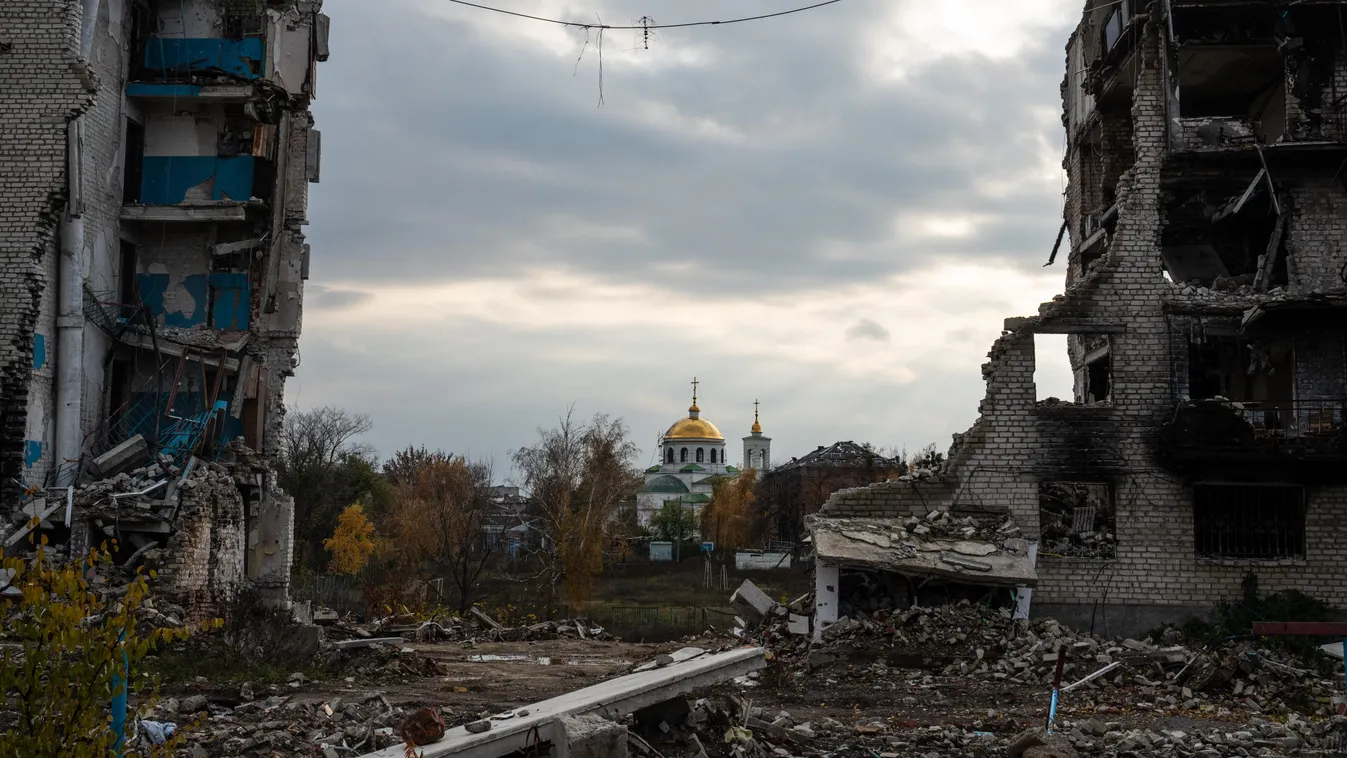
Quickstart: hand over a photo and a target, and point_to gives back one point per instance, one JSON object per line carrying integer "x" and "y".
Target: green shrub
{"x": 62, "y": 658}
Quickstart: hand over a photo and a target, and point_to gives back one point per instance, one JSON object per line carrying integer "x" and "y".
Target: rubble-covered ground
{"x": 953, "y": 681}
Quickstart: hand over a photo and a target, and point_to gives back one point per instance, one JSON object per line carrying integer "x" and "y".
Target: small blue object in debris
{"x": 157, "y": 732}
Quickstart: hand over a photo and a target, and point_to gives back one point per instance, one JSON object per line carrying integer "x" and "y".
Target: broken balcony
{"x": 1305, "y": 433}
{"x": 182, "y": 42}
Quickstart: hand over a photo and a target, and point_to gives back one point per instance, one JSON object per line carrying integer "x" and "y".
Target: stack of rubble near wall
{"x": 188, "y": 525}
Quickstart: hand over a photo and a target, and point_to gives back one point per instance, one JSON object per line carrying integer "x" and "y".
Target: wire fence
{"x": 344, "y": 594}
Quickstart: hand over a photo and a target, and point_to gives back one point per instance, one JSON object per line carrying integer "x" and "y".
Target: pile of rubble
{"x": 278, "y": 724}
{"x": 733, "y": 726}
{"x": 941, "y": 524}
{"x": 475, "y": 627}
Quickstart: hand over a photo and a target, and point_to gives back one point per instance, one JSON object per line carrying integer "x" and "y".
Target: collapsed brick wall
{"x": 42, "y": 87}
{"x": 889, "y": 500}
{"x": 204, "y": 567}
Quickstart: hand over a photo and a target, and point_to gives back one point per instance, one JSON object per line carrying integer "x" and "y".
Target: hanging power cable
{"x": 645, "y": 26}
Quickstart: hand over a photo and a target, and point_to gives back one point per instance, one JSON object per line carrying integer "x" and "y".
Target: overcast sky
{"x": 831, "y": 212}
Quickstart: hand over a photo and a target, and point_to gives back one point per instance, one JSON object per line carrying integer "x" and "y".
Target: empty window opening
{"x": 1090, "y": 355}
{"x": 1077, "y": 519}
{"x": 1097, "y": 380}
{"x": 713, "y": 455}
{"x": 683, "y": 455}
{"x": 1259, "y": 374}
{"x": 1233, "y": 81}
{"x": 1248, "y": 521}
{"x": 701, "y": 455}
{"x": 669, "y": 455}
{"x": 1053, "y": 379}
{"x": 126, "y": 279}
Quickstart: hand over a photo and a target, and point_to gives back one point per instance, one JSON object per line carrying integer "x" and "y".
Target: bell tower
{"x": 757, "y": 448}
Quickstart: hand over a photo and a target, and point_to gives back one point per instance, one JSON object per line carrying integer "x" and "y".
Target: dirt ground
{"x": 498, "y": 676}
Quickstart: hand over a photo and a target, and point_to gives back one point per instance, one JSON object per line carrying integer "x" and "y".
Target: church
{"x": 692, "y": 457}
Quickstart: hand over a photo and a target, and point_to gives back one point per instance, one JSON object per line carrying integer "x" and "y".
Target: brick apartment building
{"x": 1205, "y": 246}
{"x": 155, "y": 157}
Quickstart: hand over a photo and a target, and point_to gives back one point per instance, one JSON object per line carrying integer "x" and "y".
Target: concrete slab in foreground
{"x": 611, "y": 699}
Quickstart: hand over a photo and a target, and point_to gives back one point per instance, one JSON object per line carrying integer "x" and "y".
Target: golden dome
{"x": 693, "y": 428}
{"x": 757, "y": 428}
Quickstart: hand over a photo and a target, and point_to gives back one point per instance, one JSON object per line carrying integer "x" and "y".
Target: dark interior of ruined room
{"x": 1234, "y": 62}
{"x": 1077, "y": 519}
{"x": 1225, "y": 234}
{"x": 1260, "y": 373}
{"x": 864, "y": 593}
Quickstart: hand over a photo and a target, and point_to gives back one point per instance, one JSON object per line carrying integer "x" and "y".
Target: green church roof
{"x": 666, "y": 484}
{"x": 692, "y": 467}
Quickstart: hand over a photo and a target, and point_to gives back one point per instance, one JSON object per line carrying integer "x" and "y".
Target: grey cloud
{"x": 463, "y": 149}
{"x": 449, "y": 155}
{"x": 869, "y": 330}
{"x": 319, "y": 297}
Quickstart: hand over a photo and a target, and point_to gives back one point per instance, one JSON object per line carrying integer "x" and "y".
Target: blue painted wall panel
{"x": 238, "y": 57}
{"x": 149, "y": 89}
{"x": 234, "y": 178}
{"x": 32, "y": 452}
{"x": 153, "y": 287}
{"x": 233, "y": 300}
{"x": 165, "y": 179}
{"x": 39, "y": 351}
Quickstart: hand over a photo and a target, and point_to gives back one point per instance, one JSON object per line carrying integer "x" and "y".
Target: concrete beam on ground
{"x": 360, "y": 642}
{"x": 612, "y": 699}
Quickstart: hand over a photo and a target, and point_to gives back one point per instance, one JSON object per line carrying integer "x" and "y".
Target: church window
{"x": 701, "y": 455}
{"x": 683, "y": 455}
{"x": 713, "y": 455}
{"x": 668, "y": 455}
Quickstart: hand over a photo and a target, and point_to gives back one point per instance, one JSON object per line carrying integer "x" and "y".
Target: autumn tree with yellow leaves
{"x": 352, "y": 543}
{"x": 66, "y": 656}
{"x": 728, "y": 519}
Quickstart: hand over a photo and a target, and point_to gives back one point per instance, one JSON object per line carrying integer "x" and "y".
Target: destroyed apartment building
{"x": 1205, "y": 242}
{"x": 152, "y": 259}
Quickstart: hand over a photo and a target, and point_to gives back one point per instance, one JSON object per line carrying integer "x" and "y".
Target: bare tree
{"x": 324, "y": 469}
{"x": 576, "y": 475}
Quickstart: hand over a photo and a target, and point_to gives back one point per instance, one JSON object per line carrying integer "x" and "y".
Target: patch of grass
{"x": 218, "y": 664}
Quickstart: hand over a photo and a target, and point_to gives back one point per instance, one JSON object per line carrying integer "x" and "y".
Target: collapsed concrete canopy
{"x": 886, "y": 545}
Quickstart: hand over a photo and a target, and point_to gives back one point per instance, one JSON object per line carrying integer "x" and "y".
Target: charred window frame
{"x": 1249, "y": 522}
{"x": 1077, "y": 519}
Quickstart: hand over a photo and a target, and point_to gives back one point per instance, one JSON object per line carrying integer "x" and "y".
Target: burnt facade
{"x": 1205, "y": 246}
